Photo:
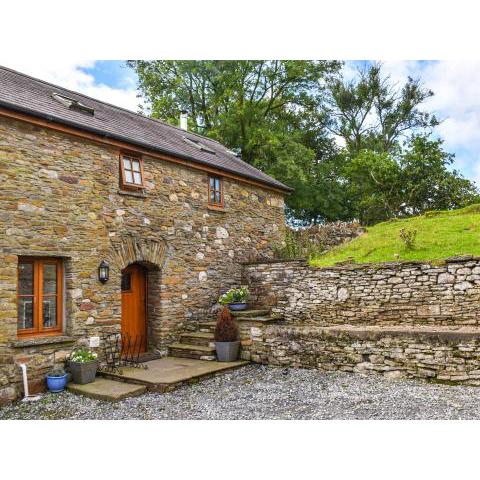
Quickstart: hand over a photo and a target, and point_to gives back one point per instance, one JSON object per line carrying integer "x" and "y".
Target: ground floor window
{"x": 39, "y": 296}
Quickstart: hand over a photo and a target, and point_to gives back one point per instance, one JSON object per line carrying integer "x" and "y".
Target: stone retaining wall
{"x": 448, "y": 357}
{"x": 409, "y": 293}
{"x": 398, "y": 319}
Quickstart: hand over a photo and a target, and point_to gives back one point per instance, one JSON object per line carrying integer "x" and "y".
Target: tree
{"x": 371, "y": 112}
{"x": 383, "y": 185}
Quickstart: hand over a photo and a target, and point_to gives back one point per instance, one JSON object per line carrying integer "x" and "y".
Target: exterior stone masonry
{"x": 399, "y": 319}
{"x": 60, "y": 197}
{"x": 403, "y": 293}
{"x": 449, "y": 356}
{"x": 329, "y": 234}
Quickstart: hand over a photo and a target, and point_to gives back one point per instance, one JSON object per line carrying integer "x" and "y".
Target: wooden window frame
{"x": 220, "y": 205}
{"x": 124, "y": 183}
{"x": 38, "y": 295}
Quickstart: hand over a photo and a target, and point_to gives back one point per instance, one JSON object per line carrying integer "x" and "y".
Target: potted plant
{"x": 83, "y": 365}
{"x": 235, "y": 298}
{"x": 57, "y": 379}
{"x": 227, "y": 341}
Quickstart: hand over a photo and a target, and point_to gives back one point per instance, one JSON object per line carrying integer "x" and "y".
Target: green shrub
{"x": 408, "y": 237}
{"x": 298, "y": 244}
{"x": 82, "y": 355}
{"x": 234, "y": 295}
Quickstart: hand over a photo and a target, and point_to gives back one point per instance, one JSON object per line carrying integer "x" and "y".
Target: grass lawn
{"x": 440, "y": 234}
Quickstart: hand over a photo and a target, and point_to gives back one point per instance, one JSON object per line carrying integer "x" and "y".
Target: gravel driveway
{"x": 259, "y": 392}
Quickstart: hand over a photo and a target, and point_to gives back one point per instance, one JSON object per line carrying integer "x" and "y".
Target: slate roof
{"x": 29, "y": 95}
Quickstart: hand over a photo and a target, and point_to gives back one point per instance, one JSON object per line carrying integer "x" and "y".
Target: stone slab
{"x": 170, "y": 371}
{"x": 105, "y": 389}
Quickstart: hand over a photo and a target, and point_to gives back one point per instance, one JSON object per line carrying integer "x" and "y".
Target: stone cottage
{"x": 84, "y": 185}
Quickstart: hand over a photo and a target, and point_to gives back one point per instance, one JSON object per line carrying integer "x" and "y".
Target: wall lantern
{"x": 103, "y": 271}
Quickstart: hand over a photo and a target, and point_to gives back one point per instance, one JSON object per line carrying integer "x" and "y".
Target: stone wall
{"x": 399, "y": 319}
{"x": 60, "y": 197}
{"x": 331, "y": 234}
{"x": 449, "y": 356}
{"x": 409, "y": 293}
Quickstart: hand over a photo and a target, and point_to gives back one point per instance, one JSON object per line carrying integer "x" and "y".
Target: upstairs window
{"x": 131, "y": 169}
{"x": 39, "y": 296}
{"x": 215, "y": 192}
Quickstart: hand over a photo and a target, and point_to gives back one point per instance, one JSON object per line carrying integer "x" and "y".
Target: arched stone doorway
{"x": 135, "y": 306}
{"x": 140, "y": 262}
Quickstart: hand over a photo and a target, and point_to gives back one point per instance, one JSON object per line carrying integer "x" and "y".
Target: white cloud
{"x": 70, "y": 75}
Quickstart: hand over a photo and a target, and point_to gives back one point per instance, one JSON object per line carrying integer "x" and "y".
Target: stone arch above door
{"x": 131, "y": 249}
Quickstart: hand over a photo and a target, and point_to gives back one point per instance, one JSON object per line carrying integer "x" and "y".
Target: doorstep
{"x": 105, "y": 389}
{"x": 167, "y": 373}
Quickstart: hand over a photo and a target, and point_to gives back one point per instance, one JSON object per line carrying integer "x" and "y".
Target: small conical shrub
{"x": 226, "y": 329}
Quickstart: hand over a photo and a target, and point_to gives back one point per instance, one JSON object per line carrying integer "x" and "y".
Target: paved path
{"x": 256, "y": 392}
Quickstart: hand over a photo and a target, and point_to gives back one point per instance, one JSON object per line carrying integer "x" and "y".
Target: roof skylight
{"x": 73, "y": 104}
{"x": 196, "y": 143}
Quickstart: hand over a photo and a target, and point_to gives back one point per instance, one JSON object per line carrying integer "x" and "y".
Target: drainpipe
{"x": 27, "y": 397}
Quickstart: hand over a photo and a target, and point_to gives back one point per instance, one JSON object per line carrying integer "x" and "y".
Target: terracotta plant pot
{"x": 83, "y": 372}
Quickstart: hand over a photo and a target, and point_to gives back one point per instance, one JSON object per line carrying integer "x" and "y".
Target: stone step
{"x": 204, "y": 339}
{"x": 168, "y": 373}
{"x": 108, "y": 390}
{"x": 185, "y": 350}
{"x": 251, "y": 313}
{"x": 259, "y": 319}
{"x": 207, "y": 327}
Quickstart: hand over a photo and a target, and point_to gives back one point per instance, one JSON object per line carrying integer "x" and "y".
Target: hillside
{"x": 440, "y": 234}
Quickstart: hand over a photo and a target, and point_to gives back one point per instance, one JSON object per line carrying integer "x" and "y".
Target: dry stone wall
{"x": 330, "y": 234}
{"x": 398, "y": 319}
{"x": 412, "y": 293}
{"x": 449, "y": 356}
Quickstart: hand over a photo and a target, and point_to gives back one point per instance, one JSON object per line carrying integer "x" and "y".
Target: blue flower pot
{"x": 56, "y": 384}
{"x": 236, "y": 307}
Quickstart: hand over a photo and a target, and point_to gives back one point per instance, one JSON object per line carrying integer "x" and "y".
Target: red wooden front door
{"x": 134, "y": 307}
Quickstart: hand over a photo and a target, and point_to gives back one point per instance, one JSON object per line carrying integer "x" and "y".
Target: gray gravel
{"x": 259, "y": 392}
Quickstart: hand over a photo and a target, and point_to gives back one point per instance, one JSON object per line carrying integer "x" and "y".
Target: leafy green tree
{"x": 383, "y": 186}
{"x": 429, "y": 184}
{"x": 371, "y": 112}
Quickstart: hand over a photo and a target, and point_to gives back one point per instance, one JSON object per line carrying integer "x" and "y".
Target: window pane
{"x": 50, "y": 312}
{"x": 136, "y": 165}
{"x": 25, "y": 312}
{"x": 49, "y": 279}
{"x": 25, "y": 279}
{"x": 212, "y": 183}
{"x": 128, "y": 176}
{"x": 126, "y": 282}
{"x": 212, "y": 197}
{"x": 126, "y": 164}
{"x": 217, "y": 184}
{"x": 137, "y": 178}
{"x": 218, "y": 198}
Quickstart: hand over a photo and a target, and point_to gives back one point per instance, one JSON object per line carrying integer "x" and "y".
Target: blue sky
{"x": 456, "y": 85}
